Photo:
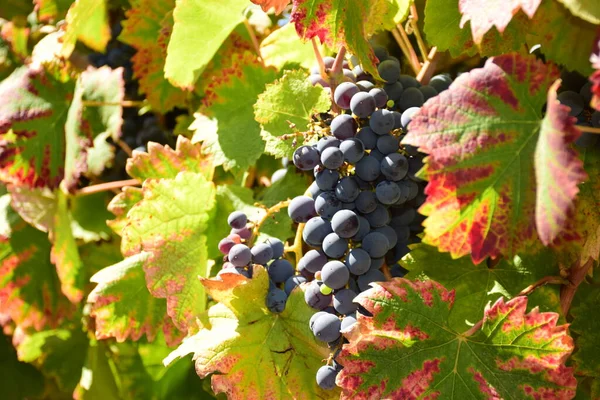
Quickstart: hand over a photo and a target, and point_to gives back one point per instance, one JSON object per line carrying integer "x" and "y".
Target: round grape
{"x": 374, "y": 275}
{"x": 389, "y": 70}
{"x": 244, "y": 233}
{"x": 276, "y": 299}
{"x": 227, "y": 243}
{"x": 352, "y": 149}
{"x": 358, "y": 261}
{"x": 376, "y": 244}
{"x": 237, "y": 220}
{"x": 314, "y": 298}
{"x": 347, "y": 189}
{"x": 394, "y": 91}
{"x": 327, "y": 327}
{"x": 387, "y": 192}
{"x": 332, "y": 158}
{"x": 343, "y": 94}
{"x": 366, "y": 202}
{"x": 335, "y": 274}
{"x": 327, "y": 141}
{"x": 292, "y": 282}
{"x": 261, "y": 253}
{"x": 343, "y": 126}
{"x": 334, "y": 246}
{"x": 345, "y": 224}
{"x": 407, "y": 116}
{"x": 347, "y": 322}
{"x": 428, "y": 92}
{"x": 315, "y": 231}
{"x": 367, "y": 137}
{"x": 388, "y": 144}
{"x": 362, "y": 104}
{"x": 368, "y": 168}
{"x": 277, "y": 246}
{"x": 412, "y": 97}
{"x": 394, "y": 166}
{"x": 327, "y": 179}
{"x": 390, "y": 235}
{"x": 342, "y": 301}
{"x": 379, "y": 217}
{"x": 313, "y": 261}
{"x": 382, "y": 121}
{"x": 380, "y": 97}
{"x": 408, "y": 81}
{"x": 301, "y": 209}
{"x": 240, "y": 255}
{"x": 280, "y": 270}
{"x": 364, "y": 85}
{"x": 327, "y": 204}
{"x": 306, "y": 158}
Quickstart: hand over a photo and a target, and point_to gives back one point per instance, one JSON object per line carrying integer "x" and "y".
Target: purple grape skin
{"x": 343, "y": 94}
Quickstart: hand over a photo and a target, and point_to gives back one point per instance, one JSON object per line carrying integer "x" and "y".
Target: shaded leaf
{"x": 170, "y": 224}
{"x": 163, "y": 162}
{"x": 558, "y": 169}
{"x": 289, "y": 100}
{"x": 98, "y": 381}
{"x": 122, "y": 305}
{"x": 282, "y": 47}
{"x": 30, "y": 102}
{"x": 226, "y": 124}
{"x": 52, "y": 352}
{"x": 588, "y": 10}
{"x": 250, "y": 352}
{"x": 65, "y": 254}
{"x": 477, "y": 285}
{"x": 483, "y": 15}
{"x": 14, "y": 8}
{"x": 514, "y": 355}
{"x": 25, "y": 381}
{"x": 36, "y": 206}
{"x": 29, "y": 287}
{"x": 89, "y": 215}
{"x": 199, "y": 25}
{"x": 481, "y": 136}
{"x": 586, "y": 324}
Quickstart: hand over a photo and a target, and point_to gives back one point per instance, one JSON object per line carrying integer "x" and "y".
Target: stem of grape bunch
{"x": 296, "y": 247}
{"x": 102, "y": 187}
{"x": 124, "y": 103}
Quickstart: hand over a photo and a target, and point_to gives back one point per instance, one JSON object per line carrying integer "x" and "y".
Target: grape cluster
{"x": 240, "y": 259}
{"x": 360, "y": 211}
{"x": 576, "y": 93}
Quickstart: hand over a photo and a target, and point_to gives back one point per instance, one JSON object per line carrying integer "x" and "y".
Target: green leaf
{"x": 88, "y": 217}
{"x": 342, "y": 22}
{"x": 199, "y": 25}
{"x": 588, "y": 10}
{"x": 14, "y": 8}
{"x": 586, "y": 324}
{"x": 171, "y": 223}
{"x": 29, "y": 286}
{"x": 65, "y": 254}
{"x": 148, "y": 29}
{"x": 120, "y": 206}
{"x": 51, "y": 10}
{"x": 25, "y": 381}
{"x": 226, "y": 125}
{"x": 407, "y": 350}
{"x": 85, "y": 124}
{"x": 289, "y": 100}
{"x": 52, "y": 351}
{"x": 163, "y": 162}
{"x": 481, "y": 136}
{"x": 558, "y": 169}
{"x": 122, "y": 305}
{"x": 33, "y": 108}
{"x": 477, "y": 285}
{"x": 86, "y": 21}
{"x": 98, "y": 380}
{"x": 282, "y": 47}
{"x": 250, "y": 352}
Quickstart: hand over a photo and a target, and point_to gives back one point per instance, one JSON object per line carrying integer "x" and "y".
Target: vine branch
{"x": 269, "y": 213}
{"x": 588, "y": 129}
{"x": 102, "y": 187}
{"x": 412, "y": 19}
{"x": 124, "y": 103}
{"x": 319, "y": 58}
{"x": 412, "y": 54}
{"x": 525, "y": 292}
{"x": 576, "y": 276}
{"x": 296, "y": 247}
{"x": 428, "y": 69}
{"x": 254, "y": 40}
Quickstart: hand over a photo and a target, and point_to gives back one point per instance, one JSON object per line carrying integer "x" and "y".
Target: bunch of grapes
{"x": 576, "y": 93}
{"x": 240, "y": 258}
{"x": 360, "y": 211}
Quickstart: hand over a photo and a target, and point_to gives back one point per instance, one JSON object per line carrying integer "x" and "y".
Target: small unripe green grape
{"x": 326, "y": 290}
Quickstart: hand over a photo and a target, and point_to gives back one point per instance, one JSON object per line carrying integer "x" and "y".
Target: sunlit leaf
{"x": 250, "y": 352}
{"x": 86, "y": 21}
{"x": 407, "y": 350}
{"x": 588, "y": 10}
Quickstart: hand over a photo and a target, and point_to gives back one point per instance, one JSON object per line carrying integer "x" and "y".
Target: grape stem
{"x": 556, "y": 280}
{"x": 576, "y": 276}
{"x": 319, "y": 58}
{"x": 269, "y": 213}
{"x": 588, "y": 129}
{"x": 102, "y": 187}
{"x": 386, "y": 271}
{"x": 412, "y": 54}
{"x": 125, "y": 147}
{"x": 405, "y": 51}
{"x": 124, "y": 103}
{"x": 428, "y": 69}
{"x": 254, "y": 40}
{"x": 336, "y": 70}
{"x": 296, "y": 247}
{"x": 412, "y": 19}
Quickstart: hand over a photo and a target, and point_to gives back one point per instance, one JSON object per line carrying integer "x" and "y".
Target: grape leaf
{"x": 342, "y": 23}
{"x": 84, "y": 124}
{"x": 588, "y": 10}
{"x": 29, "y": 286}
{"x": 97, "y": 255}
{"x": 65, "y": 254}
{"x": 14, "y": 8}
{"x": 170, "y": 223}
{"x": 88, "y": 217}
{"x": 163, "y": 162}
{"x": 250, "y": 352}
{"x": 267, "y": 5}
{"x": 586, "y": 324}
{"x": 86, "y": 21}
{"x": 477, "y": 285}
{"x": 148, "y": 28}
{"x": 485, "y": 14}
{"x": 98, "y": 380}
{"x": 282, "y": 47}
{"x": 52, "y": 352}
{"x": 33, "y": 112}
{"x": 25, "y": 381}
{"x": 407, "y": 350}
{"x": 481, "y": 135}
{"x": 558, "y": 169}
{"x": 51, "y": 10}
{"x": 120, "y": 206}
{"x": 122, "y": 305}
{"x": 226, "y": 124}
{"x": 36, "y": 206}
{"x": 199, "y": 25}
{"x": 289, "y": 100}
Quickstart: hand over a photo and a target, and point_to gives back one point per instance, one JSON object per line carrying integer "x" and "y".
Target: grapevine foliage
{"x": 291, "y": 199}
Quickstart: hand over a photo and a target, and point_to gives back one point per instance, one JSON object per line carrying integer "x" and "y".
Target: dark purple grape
{"x": 362, "y": 104}
{"x": 343, "y": 126}
{"x": 343, "y": 93}
{"x": 237, "y": 220}
{"x": 306, "y": 158}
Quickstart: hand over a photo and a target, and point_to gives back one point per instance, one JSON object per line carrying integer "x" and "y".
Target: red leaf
{"x": 266, "y": 5}
{"x": 558, "y": 169}
{"x": 484, "y": 14}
